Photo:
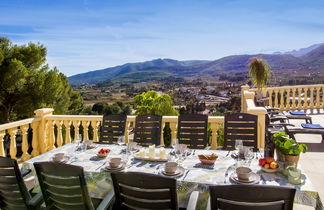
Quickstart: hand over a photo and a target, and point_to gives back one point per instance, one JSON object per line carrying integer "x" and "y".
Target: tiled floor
{"x": 313, "y": 162}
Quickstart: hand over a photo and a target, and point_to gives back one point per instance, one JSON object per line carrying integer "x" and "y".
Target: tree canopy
{"x": 27, "y": 83}
{"x": 152, "y": 102}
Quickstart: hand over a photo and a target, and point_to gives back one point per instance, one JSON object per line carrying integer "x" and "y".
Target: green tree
{"x": 153, "y": 103}
{"x": 99, "y": 107}
{"x": 27, "y": 83}
{"x": 160, "y": 104}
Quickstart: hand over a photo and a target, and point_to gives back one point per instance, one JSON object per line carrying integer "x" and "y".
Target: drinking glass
{"x": 174, "y": 143}
{"x": 121, "y": 140}
{"x": 238, "y": 145}
{"x": 248, "y": 154}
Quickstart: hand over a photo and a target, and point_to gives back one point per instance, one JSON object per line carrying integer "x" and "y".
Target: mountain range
{"x": 310, "y": 59}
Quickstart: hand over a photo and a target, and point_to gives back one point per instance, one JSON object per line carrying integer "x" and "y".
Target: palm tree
{"x": 259, "y": 71}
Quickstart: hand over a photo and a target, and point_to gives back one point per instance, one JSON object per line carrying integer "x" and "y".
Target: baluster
{"x": 162, "y": 128}
{"x": 76, "y": 124}
{"x": 311, "y": 104}
{"x": 59, "y": 138}
{"x": 173, "y": 127}
{"x": 2, "y": 151}
{"x": 13, "y": 148}
{"x": 128, "y": 122}
{"x": 282, "y": 91}
{"x": 85, "y": 125}
{"x": 299, "y": 105}
{"x": 35, "y": 145}
{"x": 67, "y": 124}
{"x": 318, "y": 104}
{"x": 305, "y": 98}
{"x": 287, "y": 107}
{"x": 24, "y": 131}
{"x": 293, "y": 100}
{"x": 95, "y": 125}
{"x": 51, "y": 135}
{"x": 214, "y": 128}
{"x": 270, "y": 97}
{"x": 276, "y": 98}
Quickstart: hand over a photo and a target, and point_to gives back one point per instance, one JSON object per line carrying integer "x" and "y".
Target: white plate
{"x": 269, "y": 170}
{"x": 254, "y": 179}
{"x": 119, "y": 168}
{"x": 64, "y": 160}
{"x": 137, "y": 156}
{"x": 179, "y": 172}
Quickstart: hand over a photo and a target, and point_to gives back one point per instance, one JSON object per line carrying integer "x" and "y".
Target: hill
{"x": 303, "y": 60}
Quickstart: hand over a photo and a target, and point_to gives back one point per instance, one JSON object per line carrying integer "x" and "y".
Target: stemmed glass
{"x": 248, "y": 155}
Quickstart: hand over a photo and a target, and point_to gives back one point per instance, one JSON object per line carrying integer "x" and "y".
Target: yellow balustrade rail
{"x": 50, "y": 131}
{"x": 299, "y": 97}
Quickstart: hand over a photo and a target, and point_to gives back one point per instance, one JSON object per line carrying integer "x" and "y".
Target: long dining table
{"x": 196, "y": 177}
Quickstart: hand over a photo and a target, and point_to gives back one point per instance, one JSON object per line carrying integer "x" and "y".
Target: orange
{"x": 273, "y": 165}
{"x": 270, "y": 160}
{"x": 266, "y": 165}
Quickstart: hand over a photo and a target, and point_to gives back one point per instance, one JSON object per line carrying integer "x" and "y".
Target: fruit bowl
{"x": 102, "y": 153}
{"x": 208, "y": 159}
{"x": 268, "y": 165}
{"x": 269, "y": 170}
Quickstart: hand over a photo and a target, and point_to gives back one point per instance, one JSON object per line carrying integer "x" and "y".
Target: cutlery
{"x": 100, "y": 166}
{"x": 228, "y": 153}
{"x": 194, "y": 152}
{"x": 185, "y": 175}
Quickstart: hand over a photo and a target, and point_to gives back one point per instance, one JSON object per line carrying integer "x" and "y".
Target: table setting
{"x": 194, "y": 169}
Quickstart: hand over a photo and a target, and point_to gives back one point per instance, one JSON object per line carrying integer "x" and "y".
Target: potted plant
{"x": 288, "y": 150}
{"x": 259, "y": 71}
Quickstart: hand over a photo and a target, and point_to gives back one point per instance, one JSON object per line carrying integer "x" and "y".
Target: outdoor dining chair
{"x": 240, "y": 126}
{"x": 112, "y": 127}
{"x": 64, "y": 187}
{"x": 13, "y": 191}
{"x": 135, "y": 190}
{"x": 147, "y": 129}
{"x": 251, "y": 197}
{"x": 192, "y": 130}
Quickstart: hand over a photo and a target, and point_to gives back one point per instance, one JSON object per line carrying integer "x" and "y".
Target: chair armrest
{"x": 37, "y": 200}
{"x": 193, "y": 200}
{"x": 281, "y": 124}
{"x": 107, "y": 201}
{"x": 25, "y": 172}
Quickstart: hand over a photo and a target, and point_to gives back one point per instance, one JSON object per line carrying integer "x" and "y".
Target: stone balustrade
{"x": 299, "y": 97}
{"x": 49, "y": 131}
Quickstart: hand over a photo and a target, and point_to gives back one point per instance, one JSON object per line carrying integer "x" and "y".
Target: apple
{"x": 270, "y": 160}
{"x": 262, "y": 161}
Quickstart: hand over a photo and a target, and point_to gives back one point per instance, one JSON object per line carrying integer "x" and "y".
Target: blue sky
{"x": 93, "y": 34}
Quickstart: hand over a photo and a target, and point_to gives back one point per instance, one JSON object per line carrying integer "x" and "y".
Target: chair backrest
{"x": 63, "y": 186}
{"x": 192, "y": 130}
{"x": 112, "y": 127}
{"x": 252, "y": 197}
{"x": 134, "y": 190}
{"x": 147, "y": 129}
{"x": 13, "y": 191}
{"x": 240, "y": 126}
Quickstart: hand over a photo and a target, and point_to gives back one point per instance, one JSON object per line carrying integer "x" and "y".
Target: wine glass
{"x": 174, "y": 143}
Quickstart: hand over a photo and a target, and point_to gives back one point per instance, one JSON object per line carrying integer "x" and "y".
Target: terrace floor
{"x": 313, "y": 162}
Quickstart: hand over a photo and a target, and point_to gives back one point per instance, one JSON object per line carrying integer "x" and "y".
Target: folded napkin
{"x": 199, "y": 165}
{"x": 297, "y": 113}
{"x": 317, "y": 126}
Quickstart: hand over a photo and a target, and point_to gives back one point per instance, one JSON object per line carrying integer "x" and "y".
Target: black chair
{"x": 147, "y": 129}
{"x": 251, "y": 197}
{"x": 64, "y": 187}
{"x": 240, "y": 126}
{"x": 134, "y": 190}
{"x": 192, "y": 130}
{"x": 112, "y": 127}
{"x": 13, "y": 191}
